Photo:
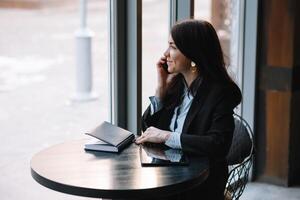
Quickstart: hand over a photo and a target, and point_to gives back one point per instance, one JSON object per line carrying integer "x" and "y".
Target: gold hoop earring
{"x": 193, "y": 67}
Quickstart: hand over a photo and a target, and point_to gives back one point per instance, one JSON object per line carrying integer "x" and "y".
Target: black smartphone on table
{"x": 161, "y": 155}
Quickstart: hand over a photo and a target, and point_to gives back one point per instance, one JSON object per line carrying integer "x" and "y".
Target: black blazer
{"x": 208, "y": 127}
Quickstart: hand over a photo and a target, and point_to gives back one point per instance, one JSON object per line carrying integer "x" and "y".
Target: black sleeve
{"x": 150, "y": 120}
{"x": 215, "y": 143}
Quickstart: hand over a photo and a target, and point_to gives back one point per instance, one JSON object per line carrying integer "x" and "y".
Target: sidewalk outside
{"x": 37, "y": 79}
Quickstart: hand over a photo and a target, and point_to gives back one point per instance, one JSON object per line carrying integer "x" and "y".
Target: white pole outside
{"x": 83, "y": 59}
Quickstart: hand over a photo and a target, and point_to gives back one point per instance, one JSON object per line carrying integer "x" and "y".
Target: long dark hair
{"x": 199, "y": 42}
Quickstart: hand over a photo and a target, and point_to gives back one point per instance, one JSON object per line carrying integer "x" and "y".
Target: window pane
{"x": 155, "y": 40}
{"x": 37, "y": 81}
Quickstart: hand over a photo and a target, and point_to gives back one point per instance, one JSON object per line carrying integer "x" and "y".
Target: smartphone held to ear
{"x": 165, "y": 66}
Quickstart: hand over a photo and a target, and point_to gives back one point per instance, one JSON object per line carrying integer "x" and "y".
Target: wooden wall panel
{"x": 278, "y": 102}
{"x": 277, "y": 134}
{"x": 279, "y": 34}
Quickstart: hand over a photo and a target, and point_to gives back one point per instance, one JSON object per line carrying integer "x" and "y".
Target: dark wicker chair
{"x": 239, "y": 159}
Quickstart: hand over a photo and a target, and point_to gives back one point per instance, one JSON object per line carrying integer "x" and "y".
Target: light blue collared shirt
{"x": 178, "y": 118}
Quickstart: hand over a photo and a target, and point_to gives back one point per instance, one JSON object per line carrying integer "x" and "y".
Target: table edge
{"x": 91, "y": 192}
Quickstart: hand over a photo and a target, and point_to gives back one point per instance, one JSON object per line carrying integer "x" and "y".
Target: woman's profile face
{"x": 177, "y": 62}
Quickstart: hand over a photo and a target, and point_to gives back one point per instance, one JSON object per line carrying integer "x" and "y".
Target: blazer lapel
{"x": 196, "y": 105}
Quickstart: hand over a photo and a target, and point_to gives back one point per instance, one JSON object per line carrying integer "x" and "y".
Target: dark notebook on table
{"x": 108, "y": 137}
{"x": 161, "y": 155}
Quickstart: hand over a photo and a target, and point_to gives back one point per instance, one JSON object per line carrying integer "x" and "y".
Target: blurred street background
{"x": 37, "y": 81}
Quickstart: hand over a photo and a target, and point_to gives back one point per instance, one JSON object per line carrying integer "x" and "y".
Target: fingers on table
{"x": 141, "y": 139}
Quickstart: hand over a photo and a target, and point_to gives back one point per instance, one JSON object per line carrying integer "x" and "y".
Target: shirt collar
{"x": 186, "y": 90}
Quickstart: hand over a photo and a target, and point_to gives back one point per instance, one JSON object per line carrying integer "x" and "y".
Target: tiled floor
{"x": 37, "y": 79}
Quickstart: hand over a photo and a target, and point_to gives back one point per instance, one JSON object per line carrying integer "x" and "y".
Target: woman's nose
{"x": 166, "y": 53}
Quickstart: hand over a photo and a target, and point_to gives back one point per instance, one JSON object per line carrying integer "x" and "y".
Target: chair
{"x": 239, "y": 159}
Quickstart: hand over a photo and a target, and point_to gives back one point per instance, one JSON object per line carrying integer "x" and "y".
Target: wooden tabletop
{"x": 68, "y": 168}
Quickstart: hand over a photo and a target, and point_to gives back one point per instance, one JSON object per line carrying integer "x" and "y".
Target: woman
{"x": 194, "y": 102}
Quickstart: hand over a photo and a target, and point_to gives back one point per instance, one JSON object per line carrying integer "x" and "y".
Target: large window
{"x": 155, "y": 33}
{"x": 37, "y": 81}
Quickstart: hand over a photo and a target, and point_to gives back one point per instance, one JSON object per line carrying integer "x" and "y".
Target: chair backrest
{"x": 239, "y": 158}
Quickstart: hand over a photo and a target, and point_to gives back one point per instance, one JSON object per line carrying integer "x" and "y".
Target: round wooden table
{"x": 68, "y": 168}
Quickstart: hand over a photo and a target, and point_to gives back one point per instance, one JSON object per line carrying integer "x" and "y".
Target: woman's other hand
{"x": 153, "y": 135}
{"x": 164, "y": 78}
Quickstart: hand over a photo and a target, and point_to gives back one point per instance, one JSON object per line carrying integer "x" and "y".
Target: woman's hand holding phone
{"x": 164, "y": 77}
